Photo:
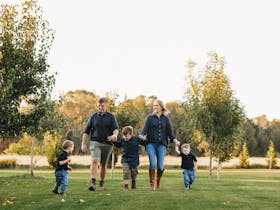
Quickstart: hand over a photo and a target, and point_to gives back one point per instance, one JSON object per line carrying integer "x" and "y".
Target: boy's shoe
{"x": 92, "y": 188}
{"x": 187, "y": 188}
{"x": 62, "y": 193}
{"x": 125, "y": 187}
{"x": 133, "y": 184}
{"x": 55, "y": 191}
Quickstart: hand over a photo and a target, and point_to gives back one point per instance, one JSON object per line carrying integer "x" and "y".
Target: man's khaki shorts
{"x": 100, "y": 150}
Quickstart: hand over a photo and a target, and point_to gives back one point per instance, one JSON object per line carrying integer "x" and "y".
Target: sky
{"x": 140, "y": 47}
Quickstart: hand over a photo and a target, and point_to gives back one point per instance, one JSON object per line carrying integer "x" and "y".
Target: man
{"x": 103, "y": 129}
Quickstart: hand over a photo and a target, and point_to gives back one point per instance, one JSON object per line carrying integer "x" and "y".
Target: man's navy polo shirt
{"x": 101, "y": 126}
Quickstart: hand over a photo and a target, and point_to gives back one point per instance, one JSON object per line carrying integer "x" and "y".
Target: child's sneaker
{"x": 92, "y": 188}
{"x": 187, "y": 188}
{"x": 125, "y": 187}
{"x": 55, "y": 191}
{"x": 62, "y": 193}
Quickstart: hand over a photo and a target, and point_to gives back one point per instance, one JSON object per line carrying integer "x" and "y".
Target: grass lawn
{"x": 237, "y": 189}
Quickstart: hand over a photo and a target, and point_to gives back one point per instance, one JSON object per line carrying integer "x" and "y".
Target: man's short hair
{"x": 102, "y": 101}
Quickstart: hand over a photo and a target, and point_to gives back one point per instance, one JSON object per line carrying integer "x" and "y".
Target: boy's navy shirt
{"x": 187, "y": 161}
{"x": 158, "y": 129}
{"x": 101, "y": 126}
{"x": 61, "y": 157}
{"x": 130, "y": 152}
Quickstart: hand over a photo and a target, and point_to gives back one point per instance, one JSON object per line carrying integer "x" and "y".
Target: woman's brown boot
{"x": 152, "y": 173}
{"x": 159, "y": 174}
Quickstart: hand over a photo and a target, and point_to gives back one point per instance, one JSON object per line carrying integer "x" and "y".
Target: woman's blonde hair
{"x": 165, "y": 111}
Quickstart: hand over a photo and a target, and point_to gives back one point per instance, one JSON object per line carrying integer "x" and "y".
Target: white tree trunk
{"x": 219, "y": 167}
{"x": 113, "y": 165}
{"x": 210, "y": 165}
{"x": 270, "y": 162}
{"x": 32, "y": 157}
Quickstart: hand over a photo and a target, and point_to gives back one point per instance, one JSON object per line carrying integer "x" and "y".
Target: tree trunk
{"x": 270, "y": 162}
{"x": 112, "y": 165}
{"x": 219, "y": 166}
{"x": 210, "y": 164}
{"x": 32, "y": 157}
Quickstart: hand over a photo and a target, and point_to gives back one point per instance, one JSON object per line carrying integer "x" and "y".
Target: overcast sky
{"x": 140, "y": 47}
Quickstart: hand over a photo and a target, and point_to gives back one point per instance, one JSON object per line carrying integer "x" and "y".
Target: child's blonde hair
{"x": 186, "y": 146}
{"x": 127, "y": 130}
{"x": 67, "y": 143}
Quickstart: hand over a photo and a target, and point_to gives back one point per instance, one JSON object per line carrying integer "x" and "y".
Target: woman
{"x": 156, "y": 131}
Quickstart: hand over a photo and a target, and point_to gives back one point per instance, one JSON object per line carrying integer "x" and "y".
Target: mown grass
{"x": 237, "y": 189}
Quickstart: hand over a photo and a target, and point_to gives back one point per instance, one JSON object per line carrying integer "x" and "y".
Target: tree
{"x": 244, "y": 157}
{"x": 271, "y": 155}
{"x": 26, "y": 39}
{"x": 24, "y": 78}
{"x": 212, "y": 108}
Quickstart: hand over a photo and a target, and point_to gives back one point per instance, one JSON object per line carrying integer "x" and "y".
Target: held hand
{"x": 69, "y": 159}
{"x": 112, "y": 138}
{"x": 177, "y": 143}
{"x": 142, "y": 138}
{"x": 69, "y": 168}
{"x": 84, "y": 148}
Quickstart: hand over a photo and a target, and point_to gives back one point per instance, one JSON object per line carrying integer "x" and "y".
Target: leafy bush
{"x": 23, "y": 146}
{"x": 8, "y": 163}
{"x": 52, "y": 145}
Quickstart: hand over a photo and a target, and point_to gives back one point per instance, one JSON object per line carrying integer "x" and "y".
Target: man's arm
{"x": 114, "y": 137}
{"x": 84, "y": 142}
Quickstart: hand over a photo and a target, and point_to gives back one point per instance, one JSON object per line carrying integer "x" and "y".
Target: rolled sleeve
{"x": 115, "y": 123}
{"x": 89, "y": 126}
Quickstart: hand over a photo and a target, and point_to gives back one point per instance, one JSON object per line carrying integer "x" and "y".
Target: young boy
{"x": 62, "y": 167}
{"x": 130, "y": 155}
{"x": 189, "y": 164}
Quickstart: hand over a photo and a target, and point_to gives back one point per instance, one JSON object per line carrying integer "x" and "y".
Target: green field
{"x": 237, "y": 189}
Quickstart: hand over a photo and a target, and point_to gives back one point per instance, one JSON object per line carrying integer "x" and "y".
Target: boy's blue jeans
{"x": 188, "y": 177}
{"x": 61, "y": 178}
{"x": 156, "y": 153}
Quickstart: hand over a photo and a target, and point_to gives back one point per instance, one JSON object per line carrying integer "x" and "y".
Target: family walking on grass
{"x": 102, "y": 130}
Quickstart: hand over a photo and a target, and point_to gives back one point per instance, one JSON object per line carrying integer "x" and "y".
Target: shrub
{"x": 52, "y": 146}
{"x": 244, "y": 157}
{"x": 8, "y": 163}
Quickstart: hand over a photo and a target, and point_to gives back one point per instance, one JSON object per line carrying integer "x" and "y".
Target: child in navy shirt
{"x": 62, "y": 167}
{"x": 188, "y": 164}
{"x": 130, "y": 156}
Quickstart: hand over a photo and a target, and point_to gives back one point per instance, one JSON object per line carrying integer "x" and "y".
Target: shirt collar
{"x": 105, "y": 113}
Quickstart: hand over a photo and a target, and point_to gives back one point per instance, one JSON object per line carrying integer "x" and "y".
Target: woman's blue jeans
{"x": 61, "y": 178}
{"x": 156, "y": 153}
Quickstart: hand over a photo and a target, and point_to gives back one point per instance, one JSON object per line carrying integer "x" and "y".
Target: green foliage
{"x": 24, "y": 79}
{"x": 271, "y": 155}
{"x": 52, "y": 145}
{"x": 22, "y": 147}
{"x": 211, "y": 107}
{"x": 8, "y": 163}
{"x": 244, "y": 157}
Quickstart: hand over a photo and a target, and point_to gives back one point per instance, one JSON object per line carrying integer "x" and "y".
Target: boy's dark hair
{"x": 67, "y": 143}
{"x": 102, "y": 101}
{"x": 127, "y": 130}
